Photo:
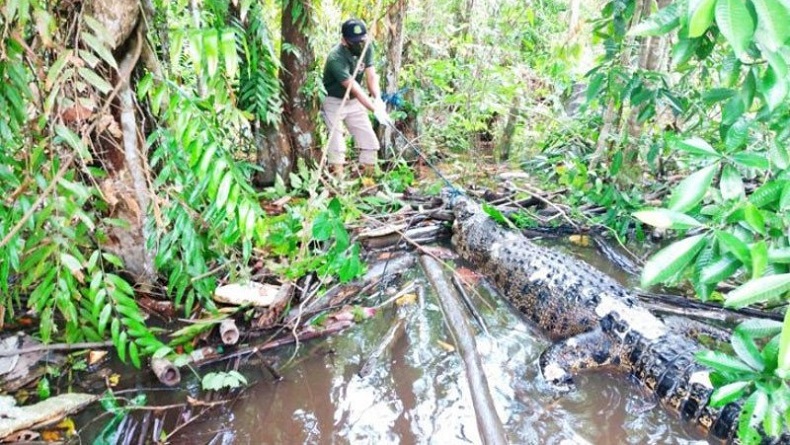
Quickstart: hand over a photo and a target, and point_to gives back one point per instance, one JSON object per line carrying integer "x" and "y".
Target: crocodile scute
{"x": 593, "y": 321}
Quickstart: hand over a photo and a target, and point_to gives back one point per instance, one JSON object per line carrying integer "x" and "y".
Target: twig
{"x": 459, "y": 286}
{"x": 57, "y": 347}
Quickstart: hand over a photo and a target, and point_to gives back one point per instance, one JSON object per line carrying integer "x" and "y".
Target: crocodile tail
{"x": 666, "y": 366}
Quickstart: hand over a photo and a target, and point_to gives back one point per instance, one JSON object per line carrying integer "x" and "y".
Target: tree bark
{"x": 126, "y": 187}
{"x": 296, "y": 59}
{"x": 396, "y": 14}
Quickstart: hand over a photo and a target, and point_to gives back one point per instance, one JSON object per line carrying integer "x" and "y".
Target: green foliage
{"x": 214, "y": 381}
{"x": 732, "y": 205}
{"x": 755, "y": 373}
{"x": 113, "y": 405}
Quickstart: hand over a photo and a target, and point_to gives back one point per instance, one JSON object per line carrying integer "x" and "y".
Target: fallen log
{"x": 488, "y": 424}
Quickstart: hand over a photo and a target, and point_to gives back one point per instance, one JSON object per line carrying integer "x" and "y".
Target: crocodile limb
{"x": 579, "y": 307}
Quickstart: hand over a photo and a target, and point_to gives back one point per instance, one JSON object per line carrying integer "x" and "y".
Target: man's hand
{"x": 380, "y": 112}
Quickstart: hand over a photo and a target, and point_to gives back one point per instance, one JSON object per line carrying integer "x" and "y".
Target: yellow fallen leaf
{"x": 67, "y": 426}
{"x": 113, "y": 379}
{"x": 406, "y": 299}
{"x": 580, "y": 240}
{"x": 51, "y": 435}
{"x": 368, "y": 182}
{"x": 446, "y": 346}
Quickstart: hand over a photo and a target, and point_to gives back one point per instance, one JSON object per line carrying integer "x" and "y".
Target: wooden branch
{"x": 488, "y": 424}
{"x": 57, "y": 347}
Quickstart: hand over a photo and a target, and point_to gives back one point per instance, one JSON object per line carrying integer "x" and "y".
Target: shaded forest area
{"x": 152, "y": 152}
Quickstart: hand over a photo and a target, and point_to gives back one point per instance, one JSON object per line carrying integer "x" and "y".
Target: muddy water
{"x": 417, "y": 392}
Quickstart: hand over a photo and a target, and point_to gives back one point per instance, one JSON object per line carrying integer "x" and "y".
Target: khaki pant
{"x": 355, "y": 116}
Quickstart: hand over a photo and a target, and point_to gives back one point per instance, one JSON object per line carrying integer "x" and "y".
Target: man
{"x": 341, "y": 63}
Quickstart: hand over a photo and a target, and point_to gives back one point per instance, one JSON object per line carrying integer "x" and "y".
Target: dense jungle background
{"x": 152, "y": 150}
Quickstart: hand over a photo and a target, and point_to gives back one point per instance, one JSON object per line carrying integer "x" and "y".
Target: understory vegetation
{"x": 187, "y": 153}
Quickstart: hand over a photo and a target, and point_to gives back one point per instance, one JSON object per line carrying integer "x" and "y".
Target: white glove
{"x": 380, "y": 112}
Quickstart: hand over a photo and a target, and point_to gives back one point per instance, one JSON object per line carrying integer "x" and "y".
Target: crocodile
{"x": 592, "y": 321}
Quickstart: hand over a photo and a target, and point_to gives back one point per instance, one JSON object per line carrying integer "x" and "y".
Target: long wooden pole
{"x": 488, "y": 424}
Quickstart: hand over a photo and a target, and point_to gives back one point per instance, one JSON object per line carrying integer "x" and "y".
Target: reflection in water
{"x": 417, "y": 394}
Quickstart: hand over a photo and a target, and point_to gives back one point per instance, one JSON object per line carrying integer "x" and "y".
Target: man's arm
{"x": 358, "y": 93}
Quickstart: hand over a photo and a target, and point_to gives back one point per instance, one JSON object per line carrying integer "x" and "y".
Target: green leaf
{"x": 759, "y": 254}
{"x": 752, "y": 415}
{"x": 666, "y": 219}
{"x": 734, "y": 245}
{"x": 700, "y": 16}
{"x": 759, "y": 291}
{"x": 774, "y": 84}
{"x": 691, "y": 190}
{"x": 772, "y": 423}
{"x": 747, "y": 351}
{"x": 229, "y": 53}
{"x": 697, "y": 146}
{"x": 728, "y": 393}
{"x": 671, "y": 259}
{"x": 736, "y": 24}
{"x": 754, "y": 218}
{"x": 211, "y": 50}
{"x": 94, "y": 79}
{"x": 784, "y": 201}
{"x": 100, "y": 48}
{"x": 660, "y": 22}
{"x": 784, "y": 345}
{"x": 759, "y": 327}
{"x": 71, "y": 263}
{"x": 731, "y": 184}
{"x": 74, "y": 141}
{"x": 772, "y": 23}
{"x": 768, "y": 193}
{"x": 723, "y": 362}
{"x": 134, "y": 355}
{"x": 780, "y": 255}
{"x": 752, "y": 160}
{"x": 224, "y": 189}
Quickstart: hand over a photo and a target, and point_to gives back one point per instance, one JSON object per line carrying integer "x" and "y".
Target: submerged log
{"x": 489, "y": 426}
{"x": 595, "y": 322}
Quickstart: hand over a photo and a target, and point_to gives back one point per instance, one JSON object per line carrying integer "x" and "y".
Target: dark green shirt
{"x": 340, "y": 63}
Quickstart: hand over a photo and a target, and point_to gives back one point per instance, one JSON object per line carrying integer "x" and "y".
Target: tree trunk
{"x": 126, "y": 187}
{"x": 394, "y": 41}
{"x": 611, "y": 117}
{"x": 297, "y": 59}
{"x": 651, "y": 58}
{"x": 273, "y": 152}
{"x": 503, "y": 149}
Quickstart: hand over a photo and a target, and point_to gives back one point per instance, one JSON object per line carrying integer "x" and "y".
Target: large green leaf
{"x": 784, "y": 345}
{"x": 734, "y": 245}
{"x": 723, "y": 362}
{"x": 759, "y": 290}
{"x": 773, "y": 23}
{"x": 671, "y": 259}
{"x": 774, "y": 84}
{"x": 691, "y": 190}
{"x": 736, "y": 24}
{"x": 731, "y": 184}
{"x": 700, "y": 16}
{"x": 698, "y": 146}
{"x": 666, "y": 219}
{"x": 747, "y": 351}
{"x": 728, "y": 393}
{"x": 659, "y": 23}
